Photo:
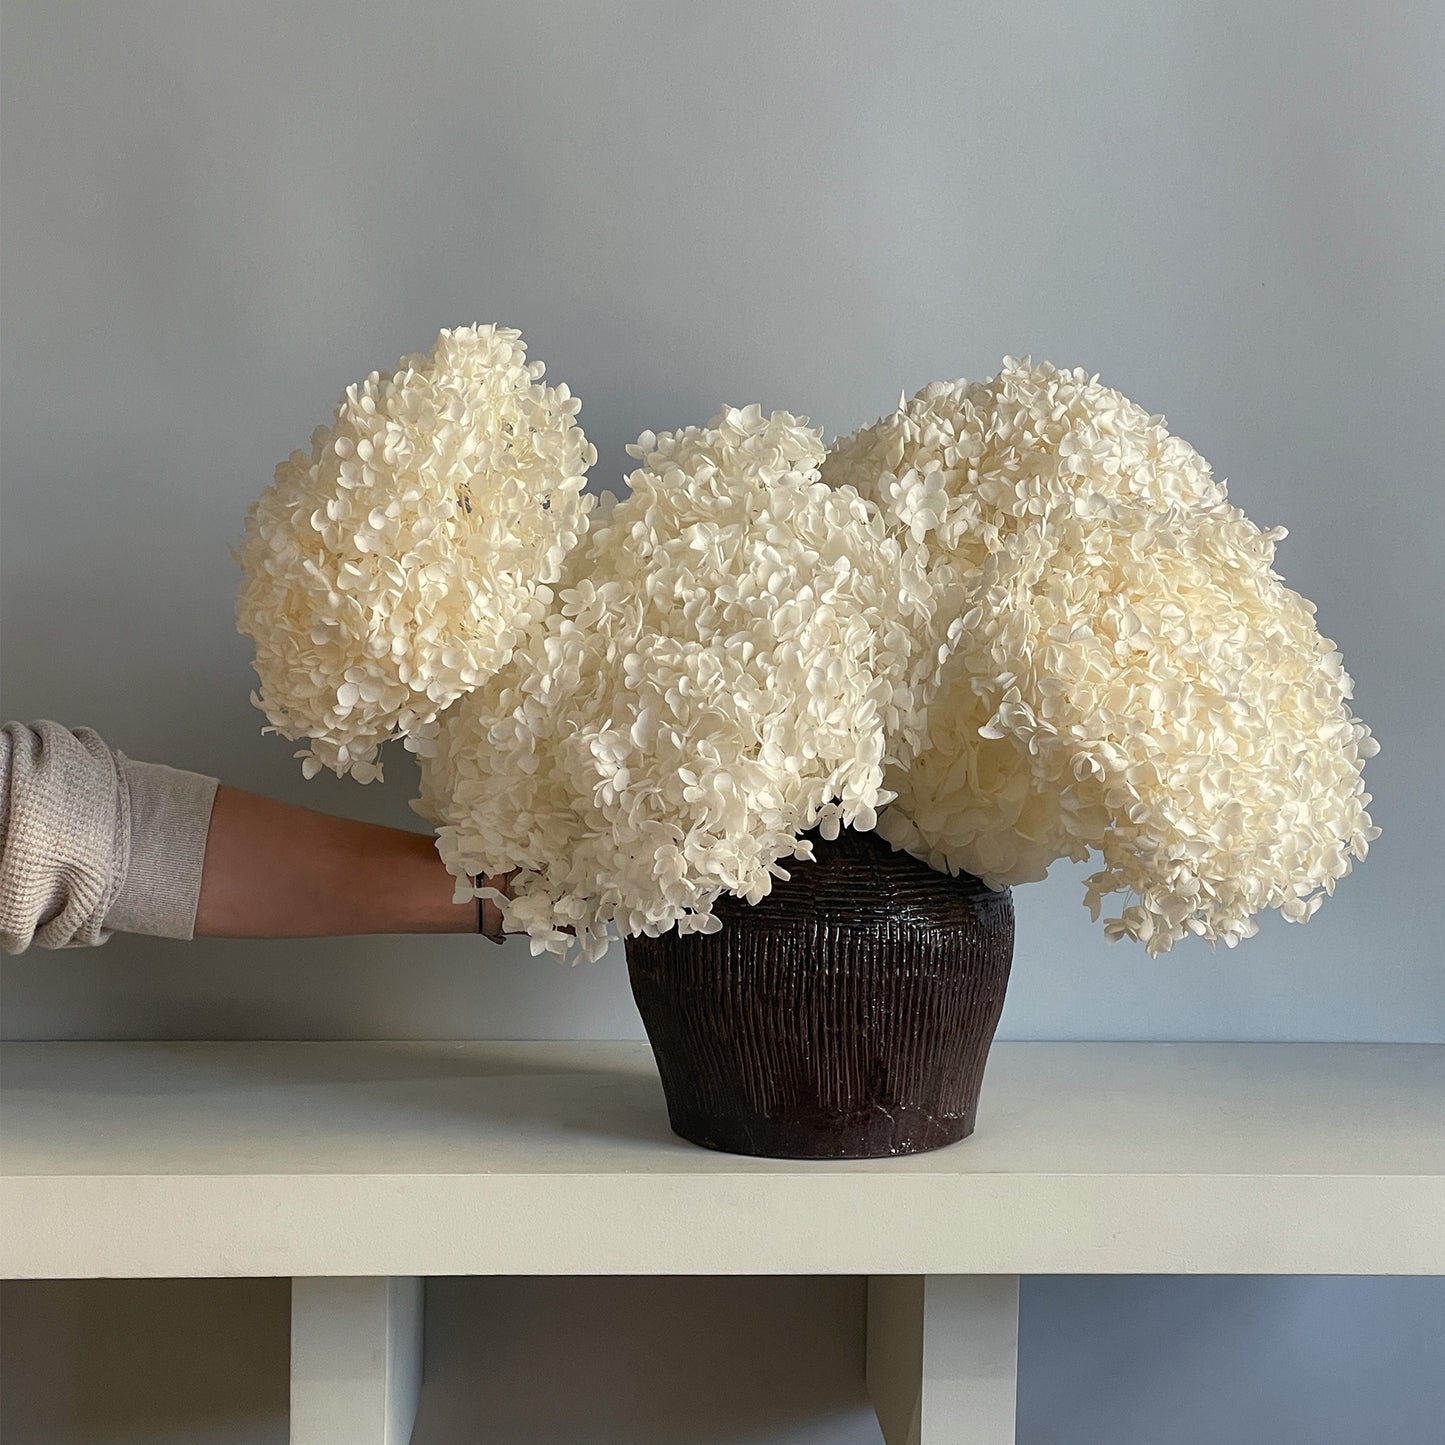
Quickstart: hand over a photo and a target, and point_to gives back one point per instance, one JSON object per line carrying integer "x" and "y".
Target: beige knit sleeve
{"x": 92, "y": 841}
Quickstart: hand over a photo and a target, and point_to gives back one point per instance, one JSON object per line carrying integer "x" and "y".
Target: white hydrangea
{"x": 734, "y": 661}
{"x": 964, "y": 464}
{"x": 396, "y": 565}
{"x": 1131, "y": 677}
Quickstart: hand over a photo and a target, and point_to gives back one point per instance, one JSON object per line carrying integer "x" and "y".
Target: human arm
{"x": 274, "y": 870}
{"x": 92, "y": 842}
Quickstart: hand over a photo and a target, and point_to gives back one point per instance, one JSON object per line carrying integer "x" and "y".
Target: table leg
{"x": 943, "y": 1357}
{"x": 356, "y": 1355}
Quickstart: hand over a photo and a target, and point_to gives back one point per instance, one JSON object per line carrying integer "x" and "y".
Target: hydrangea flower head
{"x": 396, "y": 565}
{"x": 734, "y": 661}
{"x": 1131, "y": 679}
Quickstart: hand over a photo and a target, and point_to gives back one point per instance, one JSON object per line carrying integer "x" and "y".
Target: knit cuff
{"x": 170, "y": 817}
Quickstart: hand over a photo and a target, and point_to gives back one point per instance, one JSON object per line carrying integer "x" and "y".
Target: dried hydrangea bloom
{"x": 1131, "y": 679}
{"x": 396, "y": 565}
{"x": 735, "y": 647}
{"x": 965, "y": 464}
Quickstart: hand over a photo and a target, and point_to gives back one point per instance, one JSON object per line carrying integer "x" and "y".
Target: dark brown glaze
{"x": 848, "y": 1015}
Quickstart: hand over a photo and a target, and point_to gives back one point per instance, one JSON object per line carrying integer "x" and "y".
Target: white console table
{"x": 358, "y": 1169}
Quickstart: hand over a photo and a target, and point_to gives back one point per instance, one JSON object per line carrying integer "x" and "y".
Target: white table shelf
{"x": 357, "y": 1167}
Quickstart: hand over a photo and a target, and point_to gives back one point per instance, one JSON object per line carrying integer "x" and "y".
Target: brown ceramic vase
{"x": 848, "y": 1015}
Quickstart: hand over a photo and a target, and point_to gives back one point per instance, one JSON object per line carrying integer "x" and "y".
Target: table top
{"x": 173, "y": 1159}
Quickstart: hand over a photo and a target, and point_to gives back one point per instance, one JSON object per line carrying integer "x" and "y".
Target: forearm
{"x": 274, "y": 870}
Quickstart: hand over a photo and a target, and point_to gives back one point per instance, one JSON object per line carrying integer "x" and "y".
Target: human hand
{"x": 489, "y": 922}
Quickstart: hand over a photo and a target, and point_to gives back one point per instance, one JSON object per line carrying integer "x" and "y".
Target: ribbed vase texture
{"x": 848, "y": 1015}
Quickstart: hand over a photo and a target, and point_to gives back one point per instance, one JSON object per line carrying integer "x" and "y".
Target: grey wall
{"x": 214, "y": 216}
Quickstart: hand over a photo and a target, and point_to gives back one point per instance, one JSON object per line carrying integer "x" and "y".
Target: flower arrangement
{"x": 1012, "y": 622}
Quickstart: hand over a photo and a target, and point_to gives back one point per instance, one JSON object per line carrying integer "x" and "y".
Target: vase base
{"x": 883, "y": 1134}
